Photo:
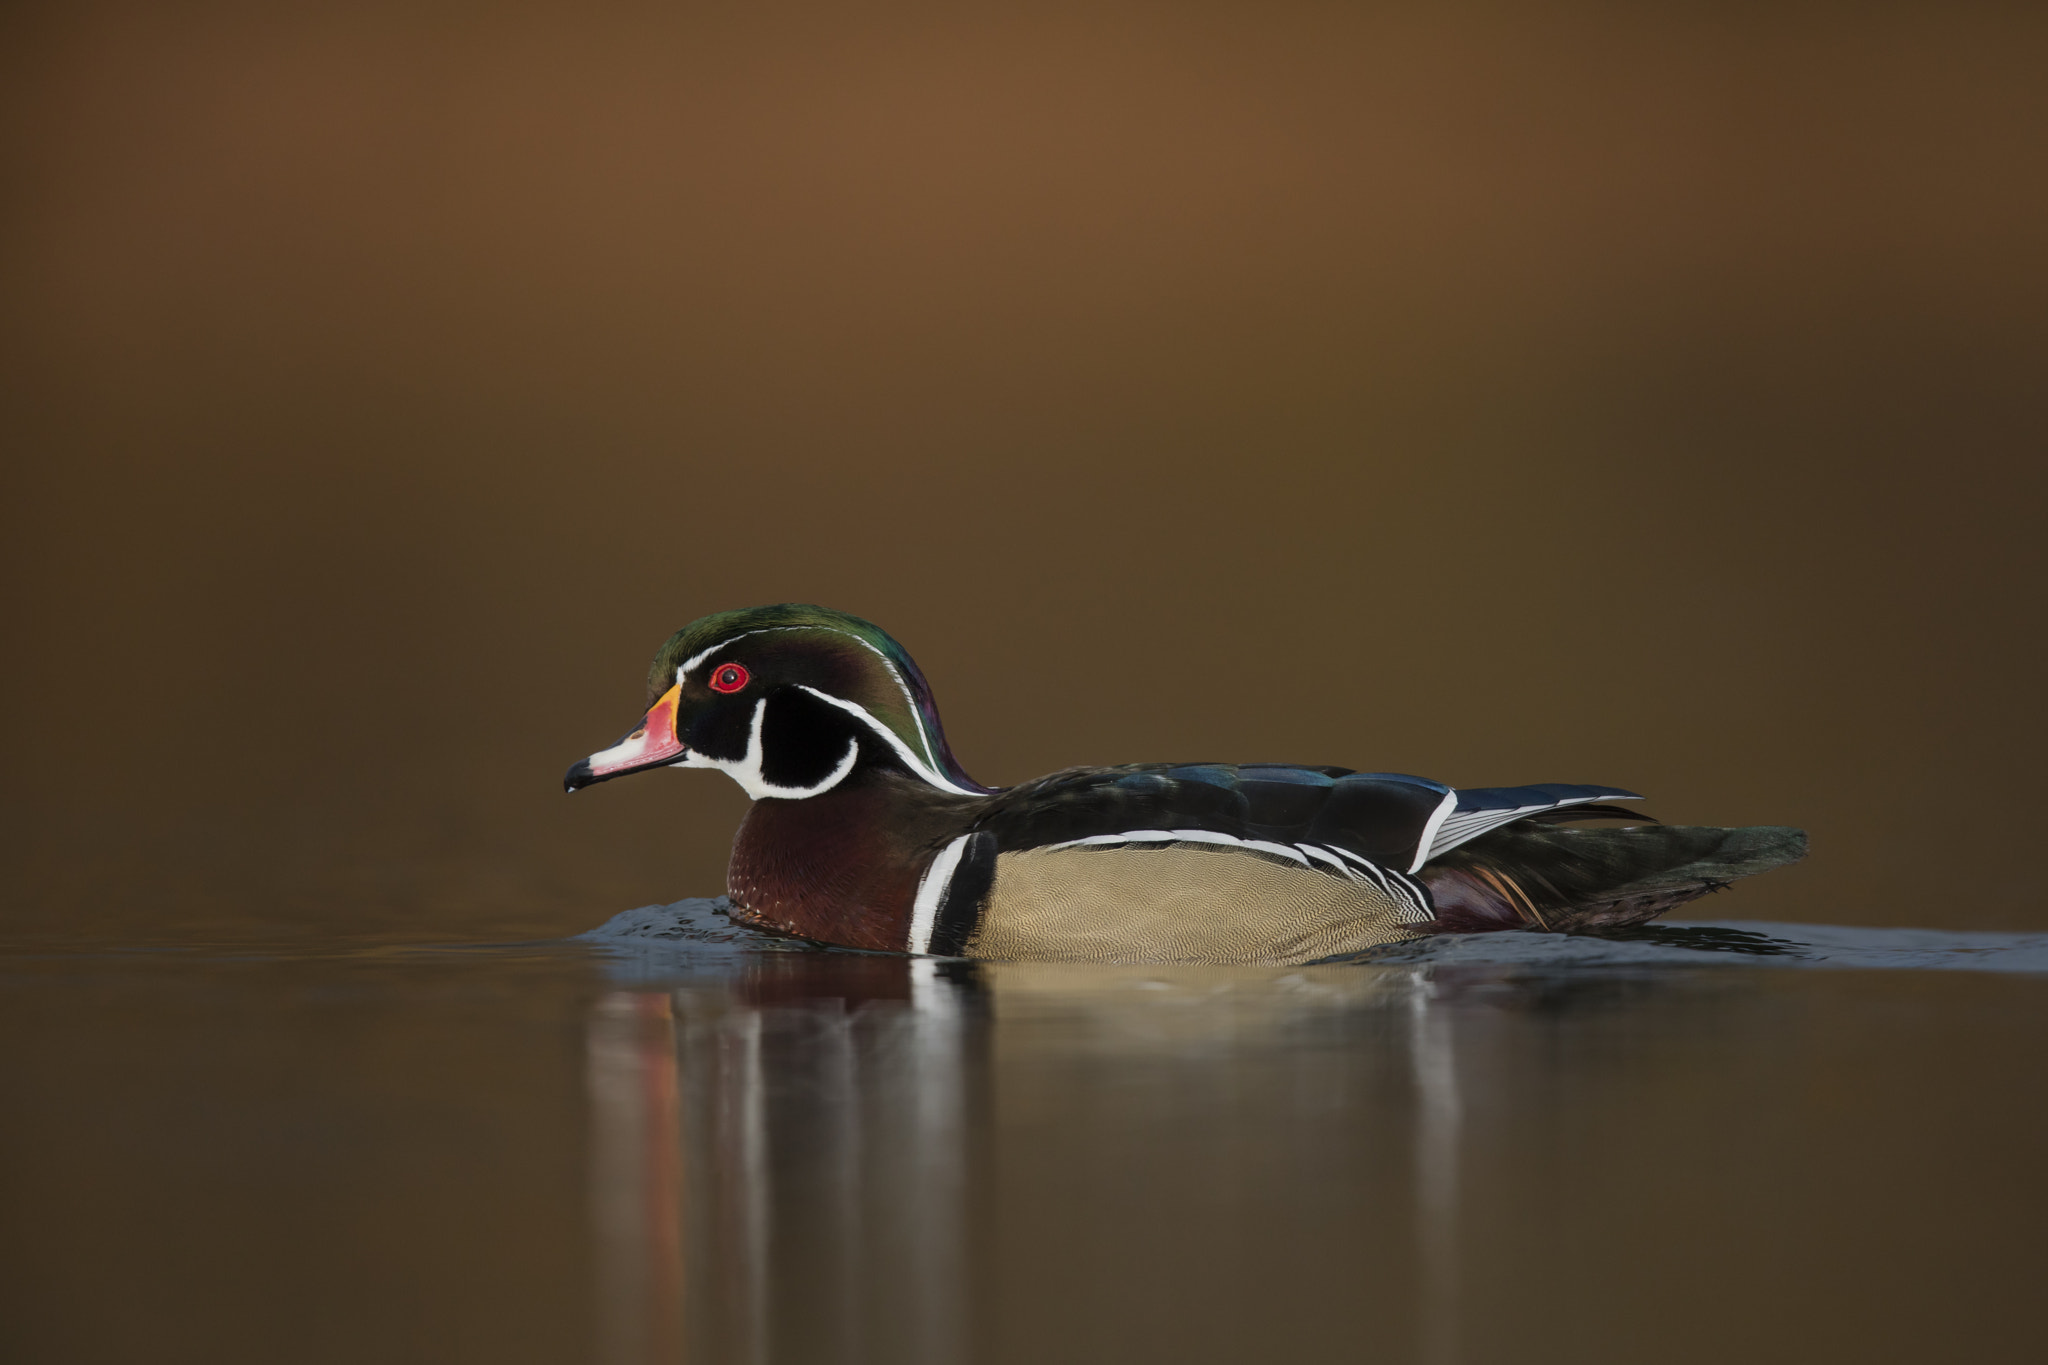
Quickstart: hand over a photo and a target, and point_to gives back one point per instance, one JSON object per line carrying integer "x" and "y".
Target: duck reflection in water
{"x": 863, "y": 1158}
{"x": 779, "y": 1164}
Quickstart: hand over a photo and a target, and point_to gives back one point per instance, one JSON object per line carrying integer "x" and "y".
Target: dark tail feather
{"x": 1536, "y": 876}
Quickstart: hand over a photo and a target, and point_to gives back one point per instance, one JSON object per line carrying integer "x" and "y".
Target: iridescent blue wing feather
{"x": 1379, "y": 816}
{"x": 1396, "y": 820}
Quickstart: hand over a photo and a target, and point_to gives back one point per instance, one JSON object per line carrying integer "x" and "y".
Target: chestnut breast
{"x": 842, "y": 866}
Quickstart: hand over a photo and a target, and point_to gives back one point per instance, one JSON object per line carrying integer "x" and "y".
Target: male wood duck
{"x": 865, "y": 830}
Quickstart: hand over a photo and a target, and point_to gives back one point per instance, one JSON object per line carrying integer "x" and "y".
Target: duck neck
{"x": 844, "y": 865}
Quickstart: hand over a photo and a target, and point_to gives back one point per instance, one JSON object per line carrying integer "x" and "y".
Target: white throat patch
{"x": 926, "y": 764}
{"x": 747, "y": 771}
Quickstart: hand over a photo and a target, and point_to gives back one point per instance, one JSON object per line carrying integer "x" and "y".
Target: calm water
{"x": 1646, "y": 395}
{"x": 673, "y": 1148}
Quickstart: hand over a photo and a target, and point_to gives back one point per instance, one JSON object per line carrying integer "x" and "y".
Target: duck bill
{"x": 652, "y": 745}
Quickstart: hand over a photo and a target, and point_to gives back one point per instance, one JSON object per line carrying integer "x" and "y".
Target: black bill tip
{"x": 579, "y": 775}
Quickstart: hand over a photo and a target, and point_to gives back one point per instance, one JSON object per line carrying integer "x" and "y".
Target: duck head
{"x": 790, "y": 702}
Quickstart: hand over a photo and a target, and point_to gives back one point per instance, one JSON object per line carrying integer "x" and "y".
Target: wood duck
{"x": 865, "y": 831}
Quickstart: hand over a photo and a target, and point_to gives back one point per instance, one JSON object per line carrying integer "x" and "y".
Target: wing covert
{"x": 1479, "y": 809}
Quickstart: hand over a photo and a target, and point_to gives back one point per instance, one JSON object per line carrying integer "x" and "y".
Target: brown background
{"x": 1636, "y": 394}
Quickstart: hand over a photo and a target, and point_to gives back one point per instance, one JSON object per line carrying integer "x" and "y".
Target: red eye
{"x": 728, "y": 678}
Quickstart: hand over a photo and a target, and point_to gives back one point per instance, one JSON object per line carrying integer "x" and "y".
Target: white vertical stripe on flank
{"x": 931, "y": 889}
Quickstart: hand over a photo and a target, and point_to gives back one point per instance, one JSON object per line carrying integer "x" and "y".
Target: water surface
{"x": 710, "y": 1146}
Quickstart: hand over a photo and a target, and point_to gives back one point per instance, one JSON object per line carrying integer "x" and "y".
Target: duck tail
{"x": 1559, "y": 880}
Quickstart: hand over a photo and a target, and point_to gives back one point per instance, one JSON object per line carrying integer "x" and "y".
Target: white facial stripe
{"x": 924, "y": 770}
{"x": 747, "y": 771}
{"x": 931, "y": 757}
{"x": 909, "y": 701}
{"x": 702, "y": 655}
